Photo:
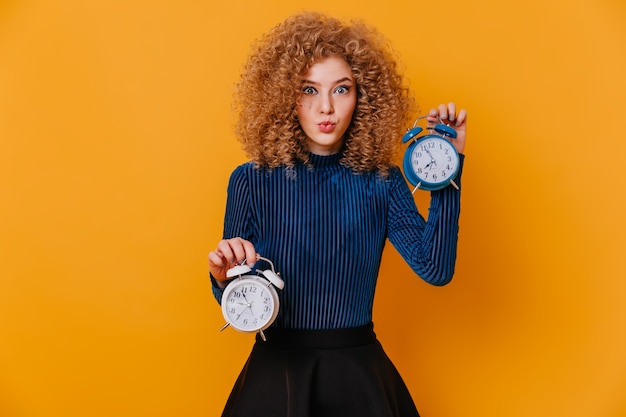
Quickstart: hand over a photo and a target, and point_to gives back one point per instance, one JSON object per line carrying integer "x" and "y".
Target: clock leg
{"x": 454, "y": 184}
{"x": 262, "y": 335}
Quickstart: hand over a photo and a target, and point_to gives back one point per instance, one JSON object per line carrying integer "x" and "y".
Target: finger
{"x": 239, "y": 251}
{"x": 451, "y": 112}
{"x": 432, "y": 117}
{"x": 236, "y": 250}
{"x": 461, "y": 118}
{"x": 226, "y": 247}
{"x": 443, "y": 111}
{"x": 251, "y": 255}
{"x": 216, "y": 259}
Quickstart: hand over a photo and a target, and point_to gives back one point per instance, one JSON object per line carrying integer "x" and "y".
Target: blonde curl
{"x": 270, "y": 84}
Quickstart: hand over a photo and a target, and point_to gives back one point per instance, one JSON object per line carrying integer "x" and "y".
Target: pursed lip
{"x": 326, "y": 126}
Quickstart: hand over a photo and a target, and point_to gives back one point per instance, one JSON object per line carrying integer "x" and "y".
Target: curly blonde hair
{"x": 266, "y": 95}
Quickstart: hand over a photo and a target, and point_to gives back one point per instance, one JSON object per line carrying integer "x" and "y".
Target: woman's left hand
{"x": 447, "y": 113}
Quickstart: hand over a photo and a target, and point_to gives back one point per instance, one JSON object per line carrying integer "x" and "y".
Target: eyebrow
{"x": 336, "y": 82}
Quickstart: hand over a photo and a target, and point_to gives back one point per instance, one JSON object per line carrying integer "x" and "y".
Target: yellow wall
{"x": 116, "y": 146}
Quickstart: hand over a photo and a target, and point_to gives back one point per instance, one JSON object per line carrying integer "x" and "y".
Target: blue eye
{"x": 342, "y": 89}
{"x": 308, "y": 90}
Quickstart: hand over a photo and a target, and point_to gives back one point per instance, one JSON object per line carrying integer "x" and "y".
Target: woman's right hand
{"x": 230, "y": 252}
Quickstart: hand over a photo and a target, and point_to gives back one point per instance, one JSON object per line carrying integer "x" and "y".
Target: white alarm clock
{"x": 431, "y": 162}
{"x": 250, "y": 302}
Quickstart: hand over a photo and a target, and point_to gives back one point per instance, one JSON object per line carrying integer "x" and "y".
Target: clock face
{"x": 249, "y": 304}
{"x": 433, "y": 160}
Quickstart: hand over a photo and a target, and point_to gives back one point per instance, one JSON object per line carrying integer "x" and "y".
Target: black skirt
{"x": 319, "y": 373}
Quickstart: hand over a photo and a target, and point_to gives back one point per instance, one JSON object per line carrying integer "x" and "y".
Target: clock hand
{"x": 432, "y": 160}
{"x": 250, "y": 307}
{"x": 428, "y": 165}
{"x": 242, "y": 312}
{"x": 247, "y": 303}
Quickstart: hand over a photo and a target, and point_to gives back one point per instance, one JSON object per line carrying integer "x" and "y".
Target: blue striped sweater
{"x": 325, "y": 228}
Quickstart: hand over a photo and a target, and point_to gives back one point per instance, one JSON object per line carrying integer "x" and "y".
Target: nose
{"x": 326, "y": 104}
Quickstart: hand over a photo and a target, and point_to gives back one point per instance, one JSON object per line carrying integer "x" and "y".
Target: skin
{"x": 326, "y": 105}
{"x": 447, "y": 113}
{"x": 324, "y": 110}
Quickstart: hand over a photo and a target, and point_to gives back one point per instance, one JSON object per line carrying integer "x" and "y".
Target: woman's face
{"x": 326, "y": 104}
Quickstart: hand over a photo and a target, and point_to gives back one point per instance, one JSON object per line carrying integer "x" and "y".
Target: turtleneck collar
{"x": 324, "y": 161}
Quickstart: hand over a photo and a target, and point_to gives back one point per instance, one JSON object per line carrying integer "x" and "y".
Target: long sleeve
{"x": 429, "y": 247}
{"x": 325, "y": 228}
{"x": 238, "y": 221}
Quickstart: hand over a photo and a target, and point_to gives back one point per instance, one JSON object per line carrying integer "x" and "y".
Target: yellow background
{"x": 116, "y": 147}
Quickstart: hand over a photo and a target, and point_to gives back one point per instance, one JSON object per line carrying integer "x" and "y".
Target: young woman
{"x": 322, "y": 107}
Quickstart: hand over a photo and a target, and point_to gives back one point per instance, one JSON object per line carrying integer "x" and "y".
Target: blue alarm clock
{"x": 431, "y": 162}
